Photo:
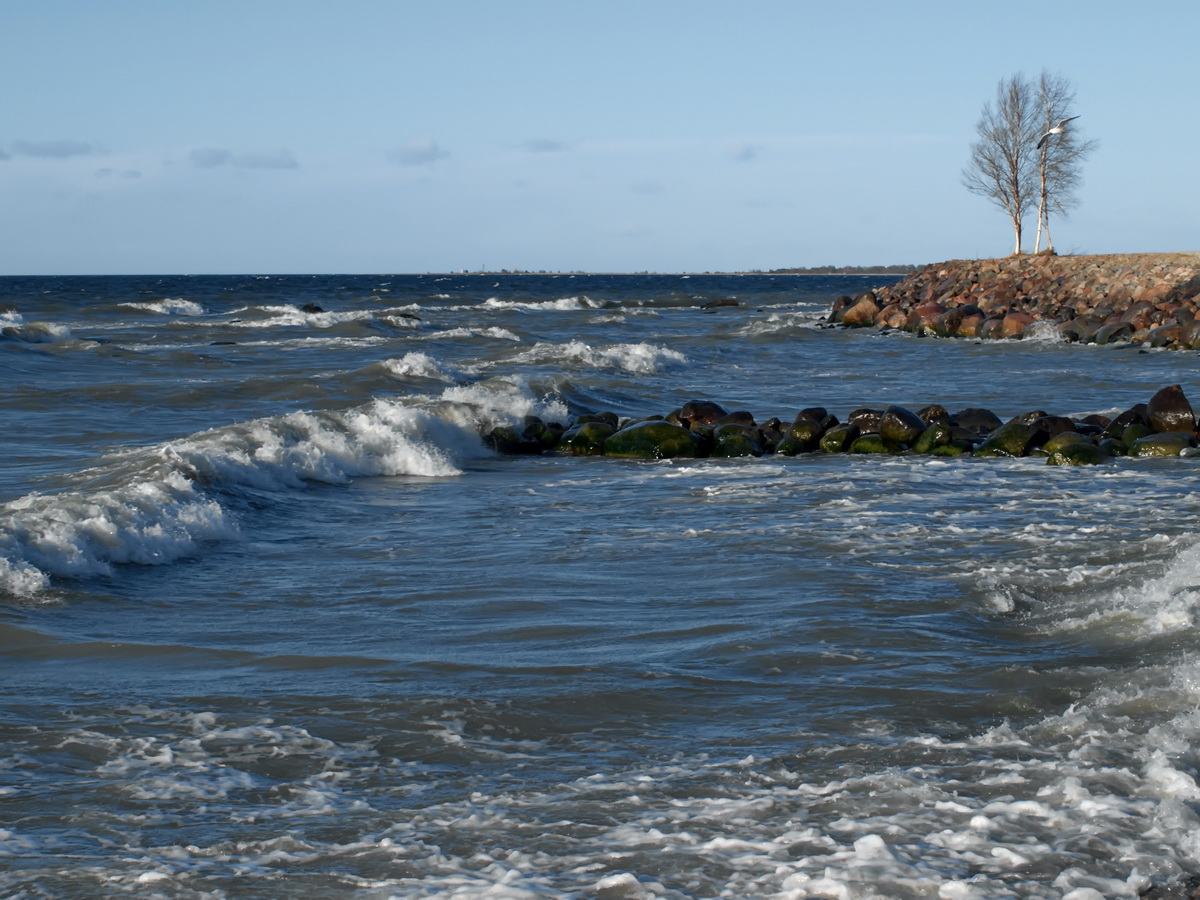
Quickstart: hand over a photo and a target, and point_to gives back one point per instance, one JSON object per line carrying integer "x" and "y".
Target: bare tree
{"x": 1060, "y": 153}
{"x": 1003, "y": 164}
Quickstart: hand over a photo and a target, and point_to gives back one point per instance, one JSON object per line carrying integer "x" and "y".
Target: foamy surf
{"x": 640, "y": 359}
{"x": 165, "y": 503}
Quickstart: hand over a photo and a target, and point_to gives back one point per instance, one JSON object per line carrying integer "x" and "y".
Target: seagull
{"x": 1057, "y": 129}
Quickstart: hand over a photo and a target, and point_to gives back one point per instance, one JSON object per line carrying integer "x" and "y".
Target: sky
{"x": 392, "y": 136}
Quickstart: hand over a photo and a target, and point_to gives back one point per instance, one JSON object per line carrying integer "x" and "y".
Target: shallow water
{"x": 276, "y": 622}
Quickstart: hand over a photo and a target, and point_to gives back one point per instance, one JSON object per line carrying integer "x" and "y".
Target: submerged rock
{"x": 1010, "y": 439}
{"x": 875, "y": 443}
{"x": 586, "y": 439}
{"x": 1165, "y": 427}
{"x": 704, "y": 412}
{"x": 936, "y": 435}
{"x": 1077, "y": 453}
{"x": 900, "y": 425}
{"x": 839, "y": 438}
{"x": 1170, "y": 443}
{"x": 652, "y": 440}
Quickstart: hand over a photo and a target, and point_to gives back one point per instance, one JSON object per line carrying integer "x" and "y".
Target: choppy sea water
{"x": 276, "y": 623}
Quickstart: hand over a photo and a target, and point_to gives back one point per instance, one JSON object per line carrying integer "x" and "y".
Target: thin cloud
{"x": 418, "y": 153}
{"x": 277, "y": 159}
{"x": 52, "y": 149}
{"x": 744, "y": 151}
{"x": 544, "y": 145}
{"x": 109, "y": 173}
{"x": 215, "y": 157}
{"x": 209, "y": 157}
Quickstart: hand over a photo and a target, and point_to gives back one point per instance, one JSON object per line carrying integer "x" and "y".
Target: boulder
{"x": 806, "y": 433}
{"x": 1054, "y": 425}
{"x": 1169, "y": 443}
{"x": 867, "y": 420}
{"x": 1013, "y": 324}
{"x": 706, "y": 412}
{"x": 1169, "y": 410}
{"x": 838, "y": 438}
{"x": 511, "y": 441}
{"x": 954, "y": 448}
{"x": 652, "y": 440}
{"x": 936, "y": 435}
{"x": 976, "y": 421}
{"x": 736, "y": 418}
{"x": 933, "y": 413}
{"x": 900, "y": 425}
{"x": 1114, "y": 331}
{"x": 1077, "y": 453}
{"x": 1010, "y": 439}
{"x": 875, "y": 443}
{"x": 1136, "y": 415}
{"x": 586, "y": 439}
{"x": 734, "y": 443}
{"x": 1063, "y": 440}
{"x": 862, "y": 313}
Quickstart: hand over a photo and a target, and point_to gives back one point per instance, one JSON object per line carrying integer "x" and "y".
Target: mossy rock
{"x": 807, "y": 433}
{"x": 1010, "y": 439}
{"x": 954, "y": 448}
{"x": 839, "y": 438}
{"x": 524, "y": 442}
{"x": 936, "y": 435}
{"x": 586, "y": 439}
{"x": 1077, "y": 453}
{"x": 900, "y": 425}
{"x": 732, "y": 444}
{"x": 1113, "y": 447}
{"x": 1135, "y": 432}
{"x": 652, "y": 439}
{"x": 875, "y": 443}
{"x": 1166, "y": 443}
{"x": 790, "y": 446}
{"x": 1063, "y": 440}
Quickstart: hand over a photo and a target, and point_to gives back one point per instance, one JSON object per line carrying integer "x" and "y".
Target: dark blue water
{"x": 276, "y": 622}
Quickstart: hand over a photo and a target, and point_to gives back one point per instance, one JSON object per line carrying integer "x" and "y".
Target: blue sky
{"x": 216, "y": 136}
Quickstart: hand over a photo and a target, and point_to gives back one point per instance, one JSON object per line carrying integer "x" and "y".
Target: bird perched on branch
{"x": 1060, "y": 128}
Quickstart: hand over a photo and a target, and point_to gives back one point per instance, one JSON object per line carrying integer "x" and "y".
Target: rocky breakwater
{"x": 1163, "y": 426}
{"x": 1146, "y": 298}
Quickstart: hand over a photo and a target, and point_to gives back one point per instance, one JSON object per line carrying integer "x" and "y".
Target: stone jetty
{"x": 1142, "y": 298}
{"x": 1165, "y": 425}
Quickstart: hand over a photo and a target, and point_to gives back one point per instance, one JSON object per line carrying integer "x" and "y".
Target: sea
{"x": 275, "y": 622}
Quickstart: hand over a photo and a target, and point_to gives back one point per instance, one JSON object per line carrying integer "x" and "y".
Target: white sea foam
{"x": 176, "y": 306}
{"x": 780, "y": 323}
{"x": 422, "y": 365}
{"x": 642, "y": 359}
{"x": 273, "y": 316}
{"x": 163, "y": 507}
{"x": 1043, "y": 332}
{"x": 35, "y": 332}
{"x": 502, "y": 334}
{"x": 498, "y": 401}
{"x": 562, "y": 304}
{"x": 158, "y": 518}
